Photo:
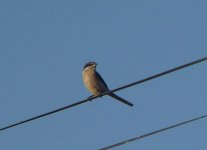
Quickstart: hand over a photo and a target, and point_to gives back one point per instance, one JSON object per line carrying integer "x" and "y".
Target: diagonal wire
{"x": 114, "y": 90}
{"x": 152, "y": 133}
{"x": 158, "y": 75}
{"x": 45, "y": 114}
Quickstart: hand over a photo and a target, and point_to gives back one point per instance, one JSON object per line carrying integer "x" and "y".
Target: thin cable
{"x": 152, "y": 133}
{"x": 45, "y": 114}
{"x": 157, "y": 75}
{"x": 114, "y": 90}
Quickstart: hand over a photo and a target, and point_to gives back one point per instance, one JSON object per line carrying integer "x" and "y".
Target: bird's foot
{"x": 90, "y": 98}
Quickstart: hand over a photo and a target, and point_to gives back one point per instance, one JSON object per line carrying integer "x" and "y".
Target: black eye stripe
{"x": 89, "y": 64}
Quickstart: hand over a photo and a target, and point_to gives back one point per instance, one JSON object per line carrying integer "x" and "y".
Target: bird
{"x": 95, "y": 83}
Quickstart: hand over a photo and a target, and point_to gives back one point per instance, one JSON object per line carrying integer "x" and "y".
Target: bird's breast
{"x": 92, "y": 83}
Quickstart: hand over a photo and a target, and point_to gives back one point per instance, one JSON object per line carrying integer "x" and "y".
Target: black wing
{"x": 99, "y": 76}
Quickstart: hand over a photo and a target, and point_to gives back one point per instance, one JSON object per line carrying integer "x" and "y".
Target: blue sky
{"x": 45, "y": 44}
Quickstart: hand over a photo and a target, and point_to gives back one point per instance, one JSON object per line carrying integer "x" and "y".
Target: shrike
{"x": 95, "y": 84}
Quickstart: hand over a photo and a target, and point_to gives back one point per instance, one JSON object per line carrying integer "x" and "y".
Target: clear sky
{"x": 44, "y": 45}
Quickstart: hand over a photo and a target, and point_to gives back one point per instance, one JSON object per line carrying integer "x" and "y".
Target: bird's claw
{"x": 90, "y": 97}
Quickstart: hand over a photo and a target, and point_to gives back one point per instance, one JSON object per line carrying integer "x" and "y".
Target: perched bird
{"x": 95, "y": 84}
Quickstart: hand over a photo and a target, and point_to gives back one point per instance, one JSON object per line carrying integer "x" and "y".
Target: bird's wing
{"x": 99, "y": 76}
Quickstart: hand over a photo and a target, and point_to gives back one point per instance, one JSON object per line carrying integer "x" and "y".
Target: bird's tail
{"x": 120, "y": 99}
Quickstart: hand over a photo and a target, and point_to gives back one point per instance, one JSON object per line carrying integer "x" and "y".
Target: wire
{"x": 43, "y": 115}
{"x": 152, "y": 133}
{"x": 158, "y": 75}
{"x": 114, "y": 90}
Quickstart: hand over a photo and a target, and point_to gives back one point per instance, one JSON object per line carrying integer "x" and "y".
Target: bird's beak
{"x": 94, "y": 65}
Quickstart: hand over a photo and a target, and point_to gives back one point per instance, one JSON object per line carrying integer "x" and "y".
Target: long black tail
{"x": 120, "y": 99}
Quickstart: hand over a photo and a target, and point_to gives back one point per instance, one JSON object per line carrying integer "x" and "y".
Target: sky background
{"x": 44, "y": 45}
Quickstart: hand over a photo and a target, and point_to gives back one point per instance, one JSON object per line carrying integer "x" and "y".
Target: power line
{"x": 114, "y": 90}
{"x": 158, "y": 75}
{"x": 45, "y": 114}
{"x": 152, "y": 133}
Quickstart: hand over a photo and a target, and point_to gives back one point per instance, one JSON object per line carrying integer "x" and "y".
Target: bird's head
{"x": 91, "y": 65}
